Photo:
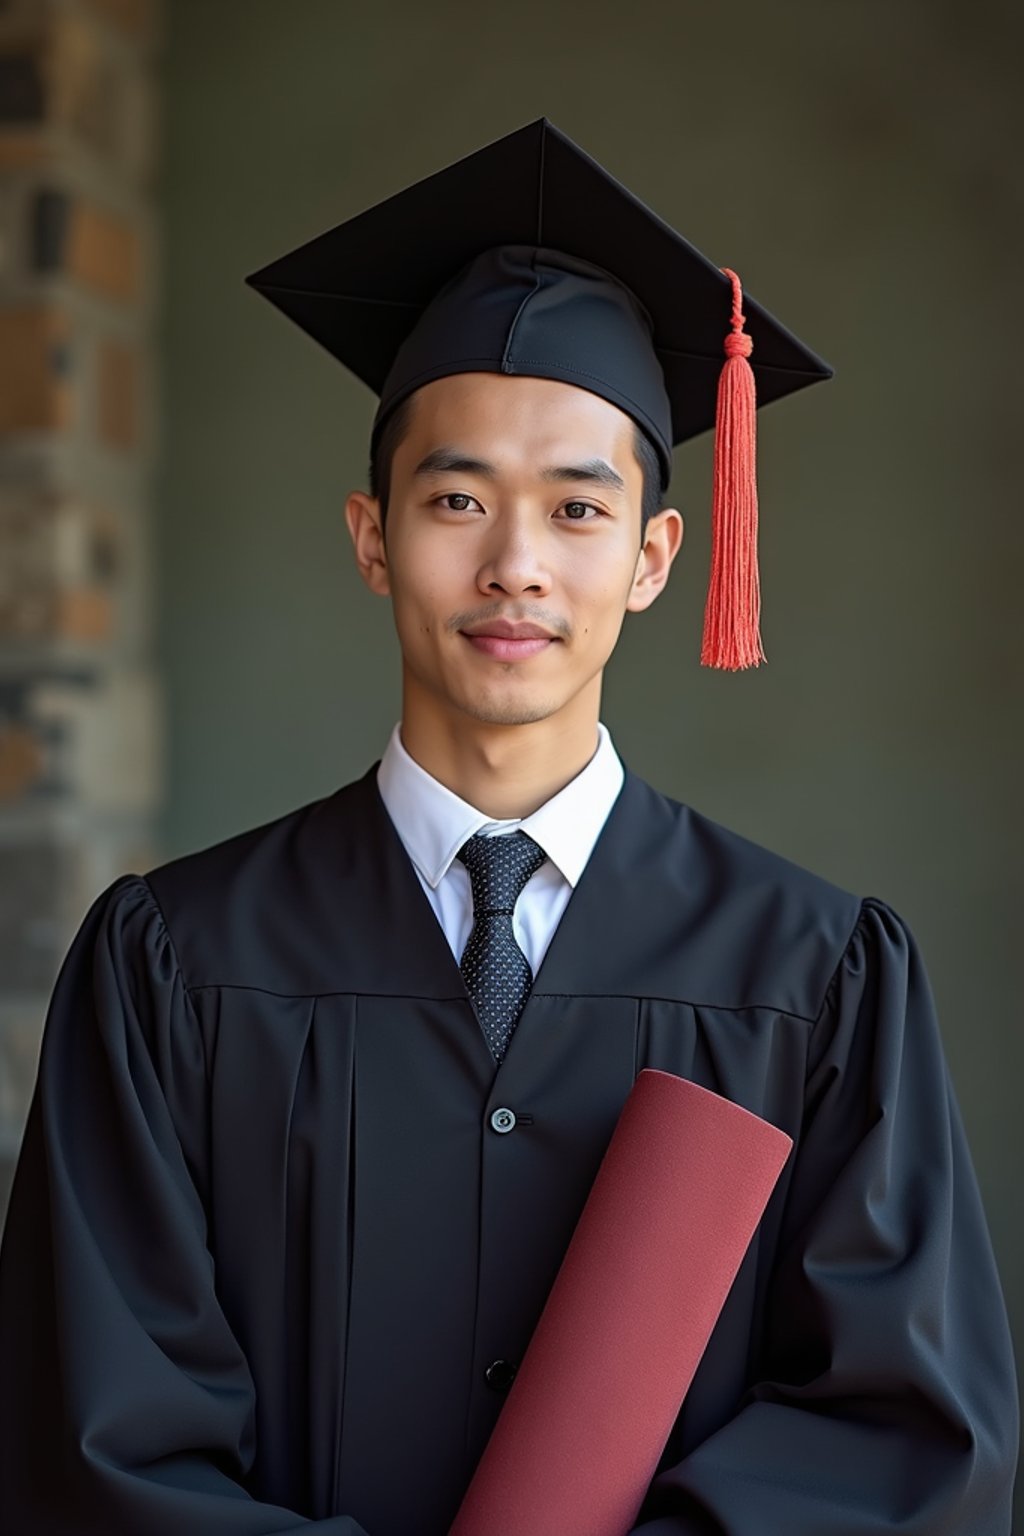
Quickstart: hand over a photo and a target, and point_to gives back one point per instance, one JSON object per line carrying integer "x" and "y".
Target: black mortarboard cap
{"x": 528, "y": 257}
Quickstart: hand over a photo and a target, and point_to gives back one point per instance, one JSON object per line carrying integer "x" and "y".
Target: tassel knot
{"x": 738, "y": 344}
{"x": 732, "y": 638}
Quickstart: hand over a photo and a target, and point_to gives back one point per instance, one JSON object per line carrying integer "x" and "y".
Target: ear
{"x": 662, "y": 542}
{"x": 363, "y": 515}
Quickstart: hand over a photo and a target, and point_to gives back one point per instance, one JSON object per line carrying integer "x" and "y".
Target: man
{"x": 318, "y": 1107}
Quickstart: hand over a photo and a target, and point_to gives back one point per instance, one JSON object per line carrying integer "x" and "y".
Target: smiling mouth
{"x": 506, "y": 648}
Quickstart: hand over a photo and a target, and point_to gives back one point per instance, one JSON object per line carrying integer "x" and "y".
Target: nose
{"x": 513, "y": 562}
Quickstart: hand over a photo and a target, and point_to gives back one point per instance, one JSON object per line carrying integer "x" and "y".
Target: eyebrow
{"x": 451, "y": 460}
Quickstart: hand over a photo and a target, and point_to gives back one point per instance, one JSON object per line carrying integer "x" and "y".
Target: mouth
{"x": 508, "y": 639}
{"x": 501, "y": 647}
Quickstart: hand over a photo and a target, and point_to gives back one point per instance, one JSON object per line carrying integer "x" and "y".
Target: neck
{"x": 505, "y": 771}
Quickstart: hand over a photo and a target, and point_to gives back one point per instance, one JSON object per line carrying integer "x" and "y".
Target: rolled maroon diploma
{"x": 679, "y": 1192}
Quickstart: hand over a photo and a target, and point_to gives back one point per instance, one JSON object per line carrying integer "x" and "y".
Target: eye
{"x": 457, "y": 501}
{"x": 575, "y": 511}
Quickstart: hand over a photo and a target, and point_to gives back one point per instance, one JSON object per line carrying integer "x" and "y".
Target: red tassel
{"x": 732, "y": 615}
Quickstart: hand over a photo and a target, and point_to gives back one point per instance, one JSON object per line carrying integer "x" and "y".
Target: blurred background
{"x": 185, "y": 648}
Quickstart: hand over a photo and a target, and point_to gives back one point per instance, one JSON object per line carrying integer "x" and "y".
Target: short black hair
{"x": 394, "y": 428}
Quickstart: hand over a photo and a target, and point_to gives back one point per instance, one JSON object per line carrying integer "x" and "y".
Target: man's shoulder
{"x": 687, "y": 831}
{"x": 759, "y": 926}
{"x": 227, "y": 856}
{"x": 223, "y": 902}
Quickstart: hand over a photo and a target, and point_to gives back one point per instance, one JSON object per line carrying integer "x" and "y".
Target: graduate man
{"x": 318, "y": 1107}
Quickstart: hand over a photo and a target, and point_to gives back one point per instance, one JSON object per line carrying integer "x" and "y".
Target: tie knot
{"x": 499, "y": 867}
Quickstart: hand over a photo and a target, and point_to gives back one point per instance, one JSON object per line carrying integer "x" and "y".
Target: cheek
{"x": 426, "y": 590}
{"x": 598, "y": 584}
{"x": 428, "y": 537}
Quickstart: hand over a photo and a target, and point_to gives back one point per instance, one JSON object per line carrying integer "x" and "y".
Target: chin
{"x": 509, "y": 711}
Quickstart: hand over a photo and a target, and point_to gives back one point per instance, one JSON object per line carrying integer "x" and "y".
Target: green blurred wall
{"x": 853, "y": 162}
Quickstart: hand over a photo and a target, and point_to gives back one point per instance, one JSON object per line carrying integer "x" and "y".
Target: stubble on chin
{"x": 508, "y": 711}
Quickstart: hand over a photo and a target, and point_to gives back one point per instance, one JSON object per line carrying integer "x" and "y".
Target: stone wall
{"x": 80, "y": 711}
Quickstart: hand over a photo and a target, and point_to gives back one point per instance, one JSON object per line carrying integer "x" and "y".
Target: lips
{"x": 505, "y": 641}
{"x": 503, "y": 648}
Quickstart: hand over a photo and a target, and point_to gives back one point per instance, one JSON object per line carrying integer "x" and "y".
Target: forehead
{"x": 518, "y": 421}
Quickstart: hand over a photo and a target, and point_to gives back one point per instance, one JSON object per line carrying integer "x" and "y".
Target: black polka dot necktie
{"x": 496, "y": 972}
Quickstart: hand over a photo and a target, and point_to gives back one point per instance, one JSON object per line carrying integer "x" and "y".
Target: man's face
{"x": 512, "y": 546}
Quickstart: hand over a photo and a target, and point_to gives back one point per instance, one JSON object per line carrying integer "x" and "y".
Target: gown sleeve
{"x": 126, "y": 1403}
{"x": 884, "y": 1395}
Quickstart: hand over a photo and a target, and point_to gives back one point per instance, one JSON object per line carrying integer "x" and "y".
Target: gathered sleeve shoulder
{"x": 884, "y": 1395}
{"x": 126, "y": 1401}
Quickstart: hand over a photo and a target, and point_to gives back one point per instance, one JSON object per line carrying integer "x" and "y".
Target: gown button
{"x": 503, "y": 1120}
{"x": 499, "y": 1375}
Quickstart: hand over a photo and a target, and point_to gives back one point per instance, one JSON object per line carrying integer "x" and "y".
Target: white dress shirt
{"x": 433, "y": 823}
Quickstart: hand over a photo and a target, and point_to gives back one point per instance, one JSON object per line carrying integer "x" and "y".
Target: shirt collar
{"x": 433, "y": 822}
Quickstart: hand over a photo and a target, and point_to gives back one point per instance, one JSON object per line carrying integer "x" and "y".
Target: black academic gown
{"x": 264, "y": 1242}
